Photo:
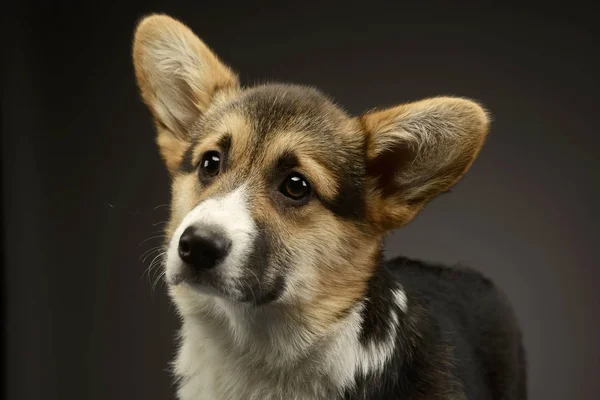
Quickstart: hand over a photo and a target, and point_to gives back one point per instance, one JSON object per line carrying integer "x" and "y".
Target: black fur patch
{"x": 259, "y": 259}
{"x": 225, "y": 144}
{"x": 273, "y": 293}
{"x": 350, "y": 200}
{"x": 187, "y": 165}
{"x": 286, "y": 162}
{"x": 457, "y": 337}
{"x": 379, "y": 303}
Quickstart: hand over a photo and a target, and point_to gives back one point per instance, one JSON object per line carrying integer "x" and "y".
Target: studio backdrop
{"x": 85, "y": 193}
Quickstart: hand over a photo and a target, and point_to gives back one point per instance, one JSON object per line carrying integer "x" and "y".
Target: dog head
{"x": 278, "y": 195}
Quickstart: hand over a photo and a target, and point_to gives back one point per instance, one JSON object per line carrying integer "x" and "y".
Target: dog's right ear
{"x": 178, "y": 77}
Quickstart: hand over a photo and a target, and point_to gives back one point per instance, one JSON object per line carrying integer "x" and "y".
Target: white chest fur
{"x": 212, "y": 371}
{"x": 232, "y": 354}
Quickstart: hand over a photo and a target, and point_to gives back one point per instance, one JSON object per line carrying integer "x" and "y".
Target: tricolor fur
{"x": 301, "y": 304}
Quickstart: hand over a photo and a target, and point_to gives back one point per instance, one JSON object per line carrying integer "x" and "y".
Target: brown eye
{"x": 210, "y": 166}
{"x": 295, "y": 187}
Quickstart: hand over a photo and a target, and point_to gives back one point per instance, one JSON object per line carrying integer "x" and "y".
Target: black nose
{"x": 203, "y": 247}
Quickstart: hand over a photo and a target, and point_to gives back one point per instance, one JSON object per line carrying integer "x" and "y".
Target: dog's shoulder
{"x": 454, "y": 320}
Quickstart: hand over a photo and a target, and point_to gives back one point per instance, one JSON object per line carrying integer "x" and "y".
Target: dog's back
{"x": 462, "y": 331}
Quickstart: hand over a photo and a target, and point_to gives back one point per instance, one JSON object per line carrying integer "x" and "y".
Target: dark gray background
{"x": 81, "y": 174}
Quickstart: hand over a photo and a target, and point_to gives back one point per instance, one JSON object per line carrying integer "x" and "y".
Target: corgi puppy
{"x": 280, "y": 204}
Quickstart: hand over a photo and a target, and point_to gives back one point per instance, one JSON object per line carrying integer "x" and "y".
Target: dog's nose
{"x": 203, "y": 247}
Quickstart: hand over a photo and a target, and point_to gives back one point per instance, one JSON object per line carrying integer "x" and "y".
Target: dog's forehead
{"x": 268, "y": 111}
{"x": 276, "y": 108}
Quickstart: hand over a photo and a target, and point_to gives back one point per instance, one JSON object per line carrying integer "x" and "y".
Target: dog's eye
{"x": 295, "y": 187}
{"x": 210, "y": 166}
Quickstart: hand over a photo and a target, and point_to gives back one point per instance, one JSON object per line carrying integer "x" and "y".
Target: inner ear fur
{"x": 179, "y": 78}
{"x": 418, "y": 150}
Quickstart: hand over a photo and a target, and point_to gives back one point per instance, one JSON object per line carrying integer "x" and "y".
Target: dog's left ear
{"x": 417, "y": 151}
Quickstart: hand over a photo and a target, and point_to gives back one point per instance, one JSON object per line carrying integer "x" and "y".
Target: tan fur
{"x": 185, "y": 194}
{"x": 240, "y": 129}
{"x": 314, "y": 235}
{"x": 342, "y": 284}
{"x": 172, "y": 148}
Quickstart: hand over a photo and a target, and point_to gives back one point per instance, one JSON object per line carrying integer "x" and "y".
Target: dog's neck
{"x": 276, "y": 337}
{"x": 274, "y": 332}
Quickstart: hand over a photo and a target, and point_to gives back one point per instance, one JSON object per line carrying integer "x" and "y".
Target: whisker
{"x": 152, "y": 237}
{"x": 257, "y": 280}
{"x": 158, "y": 278}
{"x": 157, "y": 260}
{"x": 154, "y": 264}
{"x": 147, "y": 253}
{"x": 250, "y": 288}
{"x": 155, "y": 279}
